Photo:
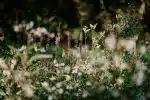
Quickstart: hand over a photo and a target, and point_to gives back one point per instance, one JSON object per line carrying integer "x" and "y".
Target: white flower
{"x": 13, "y": 63}
{"x": 28, "y": 91}
{"x": 67, "y": 69}
{"x": 43, "y": 30}
{"x": 58, "y": 85}
{"x": 45, "y": 84}
{"x": 120, "y": 80}
{"x": 22, "y": 48}
{"x": 117, "y": 60}
{"x": 53, "y": 88}
{"x": 62, "y": 64}
{"x": 85, "y": 94}
{"x": 93, "y": 26}
{"x": 6, "y": 73}
{"x": 85, "y": 29}
{"x": 69, "y": 87}
{"x": 42, "y": 50}
{"x": 37, "y": 33}
{"x": 52, "y": 35}
{"x": 31, "y": 24}
{"x": 111, "y": 42}
{"x": 50, "y": 97}
{"x": 52, "y": 78}
{"x": 68, "y": 77}
{"x": 16, "y": 28}
{"x": 60, "y": 91}
{"x": 3, "y": 64}
{"x": 75, "y": 71}
{"x": 88, "y": 83}
{"x": 140, "y": 78}
{"x": 142, "y": 49}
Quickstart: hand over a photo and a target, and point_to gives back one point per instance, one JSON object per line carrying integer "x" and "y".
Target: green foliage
{"x": 145, "y": 57}
{"x": 133, "y": 28}
{"x": 4, "y": 50}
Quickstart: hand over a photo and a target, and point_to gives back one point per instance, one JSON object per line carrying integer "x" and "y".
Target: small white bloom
{"x": 6, "y": 73}
{"x": 69, "y": 87}
{"x": 16, "y": 28}
{"x": 52, "y": 35}
{"x": 68, "y": 78}
{"x": 85, "y": 94}
{"x": 67, "y": 69}
{"x": 140, "y": 78}
{"x": 93, "y": 26}
{"x": 42, "y": 50}
{"x": 56, "y": 65}
{"x": 55, "y": 61}
{"x": 3, "y": 64}
{"x": 75, "y": 71}
{"x": 43, "y": 30}
{"x": 31, "y": 24}
{"x": 88, "y": 83}
{"x": 62, "y": 64}
{"x": 120, "y": 80}
{"x": 45, "y": 84}
{"x": 60, "y": 91}
{"x": 53, "y": 88}
{"x": 50, "y": 97}
{"x": 22, "y": 48}
{"x": 28, "y": 91}
{"x": 59, "y": 84}
{"x": 52, "y": 78}
{"x": 111, "y": 42}
{"x": 142, "y": 49}
{"x": 13, "y": 62}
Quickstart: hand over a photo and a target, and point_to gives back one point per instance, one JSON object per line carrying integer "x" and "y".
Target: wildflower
{"x": 67, "y": 69}
{"x": 93, "y": 26}
{"x": 28, "y": 91}
{"x": 111, "y": 42}
{"x": 45, "y": 84}
{"x": 140, "y": 77}
{"x": 22, "y": 48}
{"x": 62, "y": 64}
{"x": 16, "y": 28}
{"x": 119, "y": 81}
{"x": 142, "y": 49}
{"x": 50, "y": 97}
{"x": 43, "y": 30}
{"x": 69, "y": 87}
{"x": 85, "y": 29}
{"x": 117, "y": 60}
{"x": 60, "y": 91}
{"x": 53, "y": 88}
{"x": 29, "y": 25}
{"x": 52, "y": 78}
{"x": 68, "y": 77}
{"x": 58, "y": 85}
{"x": 75, "y": 71}
{"x": 88, "y": 83}
{"x": 6, "y": 73}
{"x": 13, "y": 63}
{"x": 3, "y": 64}
{"x": 19, "y": 77}
{"x": 52, "y": 35}
{"x": 43, "y": 50}
{"x": 85, "y": 94}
